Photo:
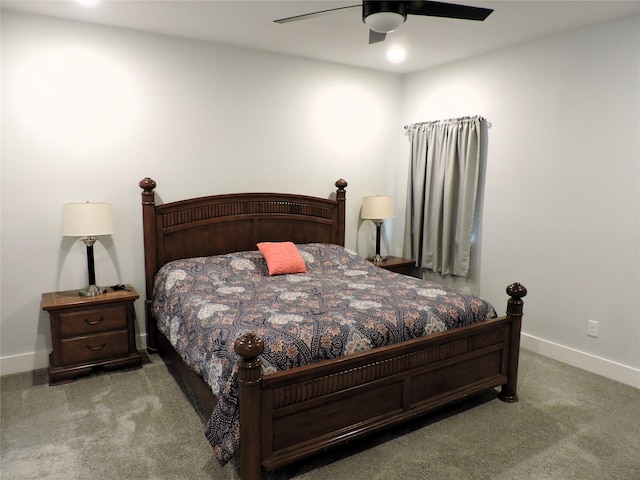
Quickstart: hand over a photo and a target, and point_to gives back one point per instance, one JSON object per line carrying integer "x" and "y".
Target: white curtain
{"x": 442, "y": 192}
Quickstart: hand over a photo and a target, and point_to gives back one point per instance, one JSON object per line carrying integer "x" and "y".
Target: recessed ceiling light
{"x": 87, "y": 3}
{"x": 396, "y": 54}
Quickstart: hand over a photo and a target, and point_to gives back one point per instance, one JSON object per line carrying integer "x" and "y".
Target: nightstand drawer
{"x": 403, "y": 269}
{"x": 94, "y": 347}
{"x": 89, "y": 322}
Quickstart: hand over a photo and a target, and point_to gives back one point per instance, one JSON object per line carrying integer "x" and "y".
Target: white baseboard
{"x": 585, "y": 361}
{"x": 26, "y": 362}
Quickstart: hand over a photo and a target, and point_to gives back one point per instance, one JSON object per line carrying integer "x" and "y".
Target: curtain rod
{"x": 479, "y": 117}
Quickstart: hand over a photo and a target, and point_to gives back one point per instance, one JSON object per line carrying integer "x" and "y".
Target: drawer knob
{"x": 93, "y": 322}
{"x": 99, "y": 347}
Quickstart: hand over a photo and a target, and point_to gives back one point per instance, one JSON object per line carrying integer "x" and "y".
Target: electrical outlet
{"x": 592, "y": 328}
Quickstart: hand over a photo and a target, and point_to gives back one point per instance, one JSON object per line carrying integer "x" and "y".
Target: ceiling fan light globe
{"x": 384, "y": 22}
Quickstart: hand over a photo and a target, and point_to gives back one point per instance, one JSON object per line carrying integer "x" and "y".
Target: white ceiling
{"x": 340, "y": 37}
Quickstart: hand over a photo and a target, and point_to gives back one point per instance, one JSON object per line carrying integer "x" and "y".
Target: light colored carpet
{"x": 569, "y": 424}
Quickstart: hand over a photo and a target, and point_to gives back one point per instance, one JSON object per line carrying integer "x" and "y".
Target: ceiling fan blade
{"x": 448, "y": 10}
{"x": 313, "y": 14}
{"x": 375, "y": 37}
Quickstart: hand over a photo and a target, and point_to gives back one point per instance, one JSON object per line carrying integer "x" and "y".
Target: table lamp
{"x": 377, "y": 208}
{"x": 88, "y": 220}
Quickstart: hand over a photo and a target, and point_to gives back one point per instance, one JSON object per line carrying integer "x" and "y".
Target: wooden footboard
{"x": 289, "y": 415}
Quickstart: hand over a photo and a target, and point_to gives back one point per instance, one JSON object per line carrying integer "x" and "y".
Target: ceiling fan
{"x": 385, "y": 17}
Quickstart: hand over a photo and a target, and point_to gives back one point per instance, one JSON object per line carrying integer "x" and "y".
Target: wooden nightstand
{"x": 405, "y": 266}
{"x": 89, "y": 332}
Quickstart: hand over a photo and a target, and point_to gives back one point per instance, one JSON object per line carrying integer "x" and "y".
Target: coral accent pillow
{"x": 282, "y": 257}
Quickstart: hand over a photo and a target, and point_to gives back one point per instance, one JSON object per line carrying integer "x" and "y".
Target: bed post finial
{"x": 514, "y": 310}
{"x": 249, "y": 346}
{"x": 516, "y": 291}
{"x": 147, "y": 184}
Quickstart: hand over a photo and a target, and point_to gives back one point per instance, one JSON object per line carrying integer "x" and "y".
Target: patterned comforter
{"x": 343, "y": 304}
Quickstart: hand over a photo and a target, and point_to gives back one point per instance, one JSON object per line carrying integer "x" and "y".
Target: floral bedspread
{"x": 343, "y": 304}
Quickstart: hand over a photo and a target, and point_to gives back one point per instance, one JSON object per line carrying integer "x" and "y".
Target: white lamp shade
{"x": 87, "y": 219}
{"x": 384, "y": 22}
{"x": 377, "y": 207}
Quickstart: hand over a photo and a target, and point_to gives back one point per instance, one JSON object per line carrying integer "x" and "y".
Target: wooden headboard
{"x": 221, "y": 224}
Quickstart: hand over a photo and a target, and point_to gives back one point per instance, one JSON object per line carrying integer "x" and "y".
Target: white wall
{"x": 561, "y": 210}
{"x": 87, "y": 112}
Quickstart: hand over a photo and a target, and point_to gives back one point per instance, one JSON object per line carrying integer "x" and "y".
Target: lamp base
{"x": 92, "y": 291}
{"x": 378, "y": 259}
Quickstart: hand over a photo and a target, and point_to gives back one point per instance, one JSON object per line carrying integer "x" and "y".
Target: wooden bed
{"x": 335, "y": 400}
